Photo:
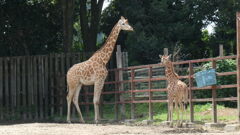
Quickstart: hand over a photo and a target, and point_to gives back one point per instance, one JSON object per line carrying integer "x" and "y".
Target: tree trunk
{"x": 90, "y": 24}
{"x": 68, "y": 8}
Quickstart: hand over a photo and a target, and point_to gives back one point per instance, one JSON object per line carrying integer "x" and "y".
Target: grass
{"x": 160, "y": 112}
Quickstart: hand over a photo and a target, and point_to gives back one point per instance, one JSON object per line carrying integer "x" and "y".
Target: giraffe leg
{"x": 69, "y": 101}
{"x": 75, "y": 101}
{"x": 171, "y": 114}
{"x": 180, "y": 112}
{"x": 96, "y": 99}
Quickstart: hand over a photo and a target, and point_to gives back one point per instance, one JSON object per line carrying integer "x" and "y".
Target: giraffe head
{"x": 123, "y": 24}
{"x": 165, "y": 59}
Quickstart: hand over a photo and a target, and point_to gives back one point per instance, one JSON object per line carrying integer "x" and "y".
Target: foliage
{"x": 159, "y": 24}
{"x": 30, "y": 27}
{"x": 227, "y": 65}
{"x": 167, "y": 23}
{"x": 90, "y": 14}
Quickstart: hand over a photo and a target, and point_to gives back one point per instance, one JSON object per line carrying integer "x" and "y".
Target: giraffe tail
{"x": 67, "y": 88}
{"x": 186, "y": 99}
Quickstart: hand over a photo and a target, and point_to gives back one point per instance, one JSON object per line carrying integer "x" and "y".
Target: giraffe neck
{"x": 103, "y": 55}
{"x": 170, "y": 73}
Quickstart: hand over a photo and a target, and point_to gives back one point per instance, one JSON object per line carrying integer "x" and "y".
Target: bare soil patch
{"x": 106, "y": 129}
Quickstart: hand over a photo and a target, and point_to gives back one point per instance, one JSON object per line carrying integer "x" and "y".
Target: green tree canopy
{"x": 165, "y": 23}
{"x": 30, "y": 27}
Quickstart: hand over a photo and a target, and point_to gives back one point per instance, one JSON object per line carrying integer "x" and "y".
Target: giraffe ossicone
{"x": 93, "y": 72}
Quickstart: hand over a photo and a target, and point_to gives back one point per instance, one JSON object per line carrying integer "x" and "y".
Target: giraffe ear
{"x": 169, "y": 56}
{"x": 160, "y": 55}
{"x": 122, "y": 17}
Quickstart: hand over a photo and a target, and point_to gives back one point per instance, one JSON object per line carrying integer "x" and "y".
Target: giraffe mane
{"x": 106, "y": 40}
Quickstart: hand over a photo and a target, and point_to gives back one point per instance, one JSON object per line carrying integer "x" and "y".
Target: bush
{"x": 228, "y": 65}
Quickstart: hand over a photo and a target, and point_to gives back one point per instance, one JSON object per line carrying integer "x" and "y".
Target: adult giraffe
{"x": 93, "y": 71}
{"x": 177, "y": 90}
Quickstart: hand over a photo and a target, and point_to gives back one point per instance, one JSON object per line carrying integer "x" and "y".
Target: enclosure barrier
{"x": 150, "y": 90}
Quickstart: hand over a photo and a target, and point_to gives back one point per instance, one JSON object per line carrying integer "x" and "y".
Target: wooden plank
{"x": 24, "y": 91}
{"x": 150, "y": 105}
{"x": 46, "y": 88}
{"x": 35, "y": 88}
{"x": 116, "y": 99}
{"x": 214, "y": 95}
{"x": 132, "y": 95}
{"x": 51, "y": 77}
{"x": 1, "y": 89}
{"x": 120, "y": 78}
{"x": 190, "y": 92}
{"x": 13, "y": 91}
{"x": 179, "y": 62}
{"x": 30, "y": 86}
{"x": 63, "y": 85}
{"x": 18, "y": 87}
{"x": 57, "y": 84}
{"x": 238, "y": 61}
{"x": 6, "y": 90}
{"x": 40, "y": 85}
{"x": 221, "y": 51}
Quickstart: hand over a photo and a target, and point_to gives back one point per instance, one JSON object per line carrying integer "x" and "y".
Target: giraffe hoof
{"x": 69, "y": 122}
{"x": 179, "y": 125}
{"x": 97, "y": 122}
{"x": 82, "y": 121}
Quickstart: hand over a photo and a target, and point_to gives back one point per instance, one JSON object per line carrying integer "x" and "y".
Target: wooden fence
{"x": 125, "y": 90}
{"x": 34, "y": 87}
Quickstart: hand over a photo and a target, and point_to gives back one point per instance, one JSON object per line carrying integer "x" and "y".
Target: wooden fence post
{"x": 132, "y": 94}
{"x": 1, "y": 89}
{"x": 116, "y": 106}
{"x": 214, "y": 95}
{"x": 165, "y": 51}
{"x": 150, "y": 105}
{"x": 120, "y": 78}
{"x": 221, "y": 50}
{"x": 190, "y": 92}
{"x": 238, "y": 61}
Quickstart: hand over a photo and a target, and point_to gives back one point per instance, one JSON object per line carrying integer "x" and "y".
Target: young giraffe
{"x": 177, "y": 90}
{"x": 93, "y": 71}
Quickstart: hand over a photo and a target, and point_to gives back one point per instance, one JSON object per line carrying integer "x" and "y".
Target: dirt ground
{"x": 106, "y": 129}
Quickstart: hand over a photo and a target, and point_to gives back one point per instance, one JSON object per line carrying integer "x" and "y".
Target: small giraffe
{"x": 93, "y": 71}
{"x": 177, "y": 90}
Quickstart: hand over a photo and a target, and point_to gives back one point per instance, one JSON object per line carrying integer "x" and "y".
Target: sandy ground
{"x": 92, "y": 129}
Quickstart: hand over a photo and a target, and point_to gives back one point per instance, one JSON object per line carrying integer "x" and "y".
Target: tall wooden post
{"x": 165, "y": 51}
{"x": 214, "y": 95}
{"x": 221, "y": 53}
{"x": 120, "y": 73}
{"x": 191, "y": 105}
{"x": 238, "y": 61}
{"x": 150, "y": 105}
